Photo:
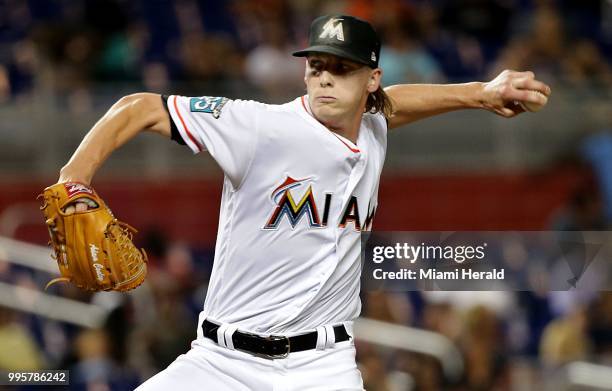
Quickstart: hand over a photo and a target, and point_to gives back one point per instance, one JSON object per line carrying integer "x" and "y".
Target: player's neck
{"x": 348, "y": 125}
{"x": 348, "y": 128}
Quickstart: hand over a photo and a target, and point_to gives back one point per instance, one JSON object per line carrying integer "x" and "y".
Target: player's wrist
{"x": 69, "y": 174}
{"x": 477, "y": 97}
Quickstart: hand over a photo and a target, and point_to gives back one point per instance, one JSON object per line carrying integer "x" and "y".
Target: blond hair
{"x": 379, "y": 102}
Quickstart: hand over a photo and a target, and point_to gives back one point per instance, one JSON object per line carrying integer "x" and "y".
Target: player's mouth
{"x": 325, "y": 99}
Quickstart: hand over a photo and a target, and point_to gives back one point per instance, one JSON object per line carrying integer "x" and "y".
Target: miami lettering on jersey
{"x": 286, "y": 206}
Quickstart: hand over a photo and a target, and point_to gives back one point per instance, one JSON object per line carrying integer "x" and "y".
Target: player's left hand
{"x": 93, "y": 249}
{"x": 503, "y": 94}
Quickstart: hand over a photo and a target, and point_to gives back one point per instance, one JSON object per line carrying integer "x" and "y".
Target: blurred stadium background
{"x": 64, "y": 62}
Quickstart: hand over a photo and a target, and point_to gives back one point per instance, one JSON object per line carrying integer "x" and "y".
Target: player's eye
{"x": 337, "y": 69}
{"x": 316, "y": 67}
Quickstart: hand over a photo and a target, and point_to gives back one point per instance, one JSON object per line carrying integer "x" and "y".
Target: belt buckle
{"x": 272, "y": 338}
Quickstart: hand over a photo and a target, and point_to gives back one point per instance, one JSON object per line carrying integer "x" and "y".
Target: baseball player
{"x": 301, "y": 183}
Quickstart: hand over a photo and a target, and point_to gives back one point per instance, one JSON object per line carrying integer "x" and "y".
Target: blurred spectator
{"x": 120, "y": 57}
{"x": 483, "y": 347}
{"x": 596, "y": 149}
{"x": 373, "y": 369}
{"x": 197, "y": 54}
{"x": 539, "y": 45}
{"x": 404, "y": 59}
{"x": 586, "y": 68}
{"x": 484, "y": 22}
{"x": 66, "y": 48}
{"x": 565, "y": 340}
{"x": 21, "y": 70}
{"x": 600, "y": 325}
{"x": 19, "y": 349}
{"x": 443, "y": 318}
{"x": 584, "y": 211}
{"x": 95, "y": 368}
{"x": 156, "y": 343}
{"x": 388, "y": 307}
{"x": 155, "y": 77}
{"x": 179, "y": 266}
{"x": 270, "y": 67}
{"x": 425, "y": 371}
{"x": 5, "y": 86}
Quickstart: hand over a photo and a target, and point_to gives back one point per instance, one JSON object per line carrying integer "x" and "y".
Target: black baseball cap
{"x": 344, "y": 36}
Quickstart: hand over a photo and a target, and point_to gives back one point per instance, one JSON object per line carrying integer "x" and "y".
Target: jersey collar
{"x": 348, "y": 143}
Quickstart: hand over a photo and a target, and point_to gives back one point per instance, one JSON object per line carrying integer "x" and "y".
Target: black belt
{"x": 274, "y": 346}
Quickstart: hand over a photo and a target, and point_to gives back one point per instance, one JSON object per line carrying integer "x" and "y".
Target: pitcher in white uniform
{"x": 301, "y": 183}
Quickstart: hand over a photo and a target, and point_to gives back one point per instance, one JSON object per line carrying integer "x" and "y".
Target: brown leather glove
{"x": 93, "y": 249}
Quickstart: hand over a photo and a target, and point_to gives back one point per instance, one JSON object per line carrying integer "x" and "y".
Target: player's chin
{"x": 324, "y": 110}
{"x": 326, "y": 117}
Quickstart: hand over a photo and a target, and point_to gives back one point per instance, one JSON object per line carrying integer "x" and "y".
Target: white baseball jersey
{"x": 295, "y": 198}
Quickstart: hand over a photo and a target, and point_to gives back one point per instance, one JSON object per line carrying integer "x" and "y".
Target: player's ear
{"x": 374, "y": 80}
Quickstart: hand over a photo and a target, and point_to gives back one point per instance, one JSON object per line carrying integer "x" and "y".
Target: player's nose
{"x": 326, "y": 79}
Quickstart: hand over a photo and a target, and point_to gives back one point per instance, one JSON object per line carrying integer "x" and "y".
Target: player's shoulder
{"x": 275, "y": 113}
{"x": 236, "y": 109}
{"x": 210, "y": 104}
{"x": 292, "y": 106}
{"x": 296, "y": 107}
{"x": 249, "y": 104}
{"x": 377, "y": 124}
{"x": 267, "y": 116}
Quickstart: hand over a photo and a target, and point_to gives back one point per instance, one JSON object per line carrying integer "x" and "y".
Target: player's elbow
{"x": 146, "y": 111}
{"x": 142, "y": 106}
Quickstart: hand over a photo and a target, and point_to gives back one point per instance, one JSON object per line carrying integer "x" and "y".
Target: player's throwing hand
{"x": 511, "y": 93}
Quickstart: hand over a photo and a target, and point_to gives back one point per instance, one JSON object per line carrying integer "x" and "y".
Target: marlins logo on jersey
{"x": 286, "y": 205}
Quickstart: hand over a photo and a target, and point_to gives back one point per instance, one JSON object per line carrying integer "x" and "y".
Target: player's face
{"x": 338, "y": 87}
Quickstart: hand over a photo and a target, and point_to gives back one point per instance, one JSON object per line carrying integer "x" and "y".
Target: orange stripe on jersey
{"x": 185, "y": 126}
{"x": 304, "y": 105}
{"x": 354, "y": 150}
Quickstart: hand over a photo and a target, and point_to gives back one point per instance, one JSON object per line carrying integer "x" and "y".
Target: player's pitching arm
{"x": 412, "y": 102}
{"x": 131, "y": 115}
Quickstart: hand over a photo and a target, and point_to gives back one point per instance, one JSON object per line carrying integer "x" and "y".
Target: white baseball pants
{"x": 208, "y": 366}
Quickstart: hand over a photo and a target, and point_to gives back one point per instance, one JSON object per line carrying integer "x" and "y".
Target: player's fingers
{"x": 526, "y": 75}
{"x": 505, "y": 111}
{"x": 75, "y": 208}
{"x": 525, "y": 96}
{"x": 511, "y": 109}
{"x": 535, "y": 97}
{"x": 531, "y": 84}
{"x": 80, "y": 205}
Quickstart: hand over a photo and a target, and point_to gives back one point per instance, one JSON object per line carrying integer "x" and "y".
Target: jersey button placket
{"x": 358, "y": 163}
